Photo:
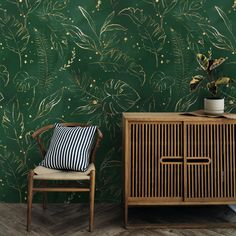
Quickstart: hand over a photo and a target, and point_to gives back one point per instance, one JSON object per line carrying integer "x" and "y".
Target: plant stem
{"x": 209, "y": 76}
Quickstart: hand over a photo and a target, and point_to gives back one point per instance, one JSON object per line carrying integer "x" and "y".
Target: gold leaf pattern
{"x": 89, "y": 61}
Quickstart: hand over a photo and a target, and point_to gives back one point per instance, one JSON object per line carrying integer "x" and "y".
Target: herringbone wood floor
{"x": 72, "y": 220}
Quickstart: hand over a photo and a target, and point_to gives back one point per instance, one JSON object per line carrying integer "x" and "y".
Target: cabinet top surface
{"x": 171, "y": 116}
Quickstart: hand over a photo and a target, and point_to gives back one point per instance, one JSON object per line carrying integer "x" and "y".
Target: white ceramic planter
{"x": 214, "y": 106}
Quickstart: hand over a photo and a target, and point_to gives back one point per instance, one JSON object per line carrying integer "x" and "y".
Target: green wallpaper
{"x": 87, "y": 60}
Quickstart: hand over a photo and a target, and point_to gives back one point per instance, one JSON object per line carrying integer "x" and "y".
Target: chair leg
{"x": 44, "y": 196}
{"x": 92, "y": 193}
{"x": 30, "y": 198}
{"x": 44, "y": 200}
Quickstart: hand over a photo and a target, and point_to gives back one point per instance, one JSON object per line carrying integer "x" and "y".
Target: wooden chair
{"x": 45, "y": 175}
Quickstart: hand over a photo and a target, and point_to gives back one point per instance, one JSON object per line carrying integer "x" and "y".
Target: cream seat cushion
{"x": 45, "y": 173}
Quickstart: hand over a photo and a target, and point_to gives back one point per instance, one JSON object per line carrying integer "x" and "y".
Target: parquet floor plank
{"x": 72, "y": 220}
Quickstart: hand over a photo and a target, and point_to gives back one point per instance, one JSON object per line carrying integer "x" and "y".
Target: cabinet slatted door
{"x": 210, "y": 161}
{"x": 156, "y": 160}
{"x": 176, "y": 159}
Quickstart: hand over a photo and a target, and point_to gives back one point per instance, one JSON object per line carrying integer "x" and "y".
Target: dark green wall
{"x": 83, "y": 60}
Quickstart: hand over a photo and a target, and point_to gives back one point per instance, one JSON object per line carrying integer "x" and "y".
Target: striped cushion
{"x": 70, "y": 148}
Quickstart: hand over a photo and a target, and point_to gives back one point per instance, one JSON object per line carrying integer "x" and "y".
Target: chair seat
{"x": 44, "y": 173}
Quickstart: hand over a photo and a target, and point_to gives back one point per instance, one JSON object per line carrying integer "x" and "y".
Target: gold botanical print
{"x": 62, "y": 60}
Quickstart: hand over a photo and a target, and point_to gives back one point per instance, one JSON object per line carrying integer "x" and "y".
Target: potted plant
{"x": 208, "y": 79}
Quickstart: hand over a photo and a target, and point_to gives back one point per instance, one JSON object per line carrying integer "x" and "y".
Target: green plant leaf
{"x": 203, "y": 61}
{"x": 195, "y": 82}
{"x": 215, "y": 63}
{"x": 212, "y": 88}
{"x": 223, "y": 81}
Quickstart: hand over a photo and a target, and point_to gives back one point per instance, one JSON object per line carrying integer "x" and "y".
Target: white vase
{"x": 214, "y": 106}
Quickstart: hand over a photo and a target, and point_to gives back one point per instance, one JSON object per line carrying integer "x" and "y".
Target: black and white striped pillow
{"x": 70, "y": 148}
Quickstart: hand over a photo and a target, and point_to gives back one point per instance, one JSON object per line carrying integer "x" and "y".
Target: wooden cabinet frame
{"x": 172, "y": 159}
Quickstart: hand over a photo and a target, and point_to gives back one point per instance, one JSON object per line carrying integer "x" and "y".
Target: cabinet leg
{"x": 126, "y": 216}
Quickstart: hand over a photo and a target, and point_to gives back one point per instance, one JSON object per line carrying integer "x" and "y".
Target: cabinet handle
{"x": 198, "y": 160}
{"x": 171, "y": 160}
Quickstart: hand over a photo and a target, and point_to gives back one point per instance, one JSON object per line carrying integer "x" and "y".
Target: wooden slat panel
{"x": 230, "y": 161}
{"x": 159, "y": 164}
{"x": 198, "y": 146}
{"x": 153, "y": 160}
{"x": 218, "y": 166}
{"x": 224, "y": 159}
{"x": 208, "y": 170}
{"x": 227, "y": 188}
{"x": 220, "y": 183}
{"x": 175, "y": 166}
{"x": 151, "y": 178}
{"x": 132, "y": 172}
{"x": 205, "y": 180}
{"x": 149, "y": 153}
{"x": 233, "y": 159}
{"x": 137, "y": 160}
{"x": 148, "y": 176}
{"x": 217, "y": 178}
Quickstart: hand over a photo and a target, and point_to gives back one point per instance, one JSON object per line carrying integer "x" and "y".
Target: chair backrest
{"x": 37, "y": 135}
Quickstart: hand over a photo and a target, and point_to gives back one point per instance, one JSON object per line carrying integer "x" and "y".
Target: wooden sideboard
{"x": 174, "y": 159}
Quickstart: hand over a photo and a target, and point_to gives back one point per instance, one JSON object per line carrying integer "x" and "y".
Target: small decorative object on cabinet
{"x": 174, "y": 159}
{"x": 211, "y": 82}
{"x": 214, "y": 106}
